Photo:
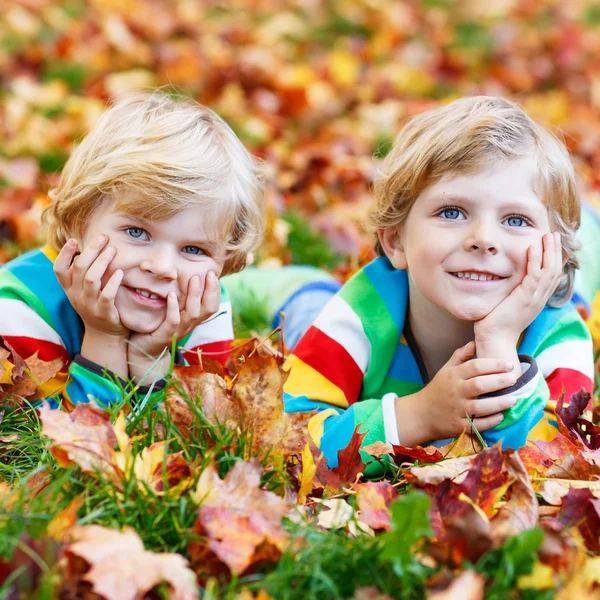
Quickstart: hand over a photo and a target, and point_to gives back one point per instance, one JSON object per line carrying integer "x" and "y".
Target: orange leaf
{"x": 84, "y": 437}
{"x": 258, "y": 392}
{"x": 120, "y": 568}
{"x": 374, "y": 499}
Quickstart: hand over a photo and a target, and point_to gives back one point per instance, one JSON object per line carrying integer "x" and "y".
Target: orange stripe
{"x": 305, "y": 381}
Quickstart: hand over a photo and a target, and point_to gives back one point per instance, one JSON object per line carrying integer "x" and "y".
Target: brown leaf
{"x": 242, "y": 521}
{"x": 521, "y": 511}
{"x": 258, "y": 392}
{"x": 581, "y": 509}
{"x": 374, "y": 499}
{"x": 84, "y": 437}
{"x": 65, "y": 519}
{"x": 567, "y": 460}
{"x": 467, "y": 586}
{"x": 120, "y": 568}
{"x": 206, "y": 389}
{"x": 350, "y": 465}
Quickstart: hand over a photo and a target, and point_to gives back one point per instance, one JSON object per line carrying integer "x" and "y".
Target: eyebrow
{"x": 208, "y": 244}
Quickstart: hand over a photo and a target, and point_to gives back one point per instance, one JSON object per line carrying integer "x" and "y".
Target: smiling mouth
{"x": 474, "y": 276}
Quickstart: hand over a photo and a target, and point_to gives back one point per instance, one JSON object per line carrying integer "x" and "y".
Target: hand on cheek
{"x": 518, "y": 310}
{"x": 202, "y": 300}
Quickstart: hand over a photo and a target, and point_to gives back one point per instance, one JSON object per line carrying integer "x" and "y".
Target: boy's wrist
{"x": 502, "y": 348}
{"x": 107, "y": 350}
{"x": 413, "y": 428}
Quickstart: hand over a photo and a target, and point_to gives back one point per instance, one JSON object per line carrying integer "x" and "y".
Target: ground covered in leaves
{"x": 178, "y": 500}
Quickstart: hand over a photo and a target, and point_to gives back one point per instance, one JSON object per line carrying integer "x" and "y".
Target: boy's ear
{"x": 391, "y": 242}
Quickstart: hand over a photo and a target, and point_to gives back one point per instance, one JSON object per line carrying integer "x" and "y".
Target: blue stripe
{"x": 337, "y": 434}
{"x": 404, "y": 366}
{"x": 538, "y": 331}
{"x": 392, "y": 286}
{"x": 515, "y": 436}
{"x": 35, "y": 271}
{"x": 293, "y": 404}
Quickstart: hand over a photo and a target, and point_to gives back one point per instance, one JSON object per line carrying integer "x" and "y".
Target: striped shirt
{"x": 36, "y": 316}
{"x": 356, "y": 358}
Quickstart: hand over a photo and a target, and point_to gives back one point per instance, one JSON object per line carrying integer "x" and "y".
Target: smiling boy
{"x": 157, "y": 202}
{"x": 466, "y": 313}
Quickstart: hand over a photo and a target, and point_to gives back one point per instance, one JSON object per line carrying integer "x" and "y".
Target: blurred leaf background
{"x": 317, "y": 88}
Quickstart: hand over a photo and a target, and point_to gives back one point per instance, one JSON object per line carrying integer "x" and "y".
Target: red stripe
{"x": 330, "y": 359}
{"x": 27, "y": 346}
{"x": 218, "y": 350}
{"x": 571, "y": 379}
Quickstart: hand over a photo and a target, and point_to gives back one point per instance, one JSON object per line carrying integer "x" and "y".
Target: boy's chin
{"x": 137, "y": 326}
{"x": 471, "y": 313}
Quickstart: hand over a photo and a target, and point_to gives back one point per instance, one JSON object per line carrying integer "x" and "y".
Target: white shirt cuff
{"x": 390, "y": 423}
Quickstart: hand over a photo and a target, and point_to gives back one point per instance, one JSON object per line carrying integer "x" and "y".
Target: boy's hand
{"x": 202, "y": 301}
{"x": 440, "y": 409}
{"x": 503, "y": 325}
{"x": 81, "y": 278}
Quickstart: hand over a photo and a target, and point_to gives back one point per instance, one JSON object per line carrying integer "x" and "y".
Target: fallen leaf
{"x": 119, "y": 567}
{"x": 374, "y": 499}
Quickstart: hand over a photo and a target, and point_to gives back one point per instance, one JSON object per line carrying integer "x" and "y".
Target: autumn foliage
{"x": 215, "y": 492}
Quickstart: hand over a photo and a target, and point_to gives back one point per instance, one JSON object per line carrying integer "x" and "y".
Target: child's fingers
{"x": 484, "y": 366}
{"x": 173, "y": 316}
{"x": 484, "y": 384}
{"x": 86, "y": 258}
{"x": 461, "y": 354}
{"x": 93, "y": 277}
{"x": 211, "y": 299}
{"x": 62, "y": 264}
{"x": 484, "y": 407}
{"x": 486, "y": 423}
{"x": 109, "y": 293}
{"x": 193, "y": 301}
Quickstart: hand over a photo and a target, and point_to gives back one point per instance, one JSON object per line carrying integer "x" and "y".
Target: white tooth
{"x": 482, "y": 277}
{"x": 461, "y": 274}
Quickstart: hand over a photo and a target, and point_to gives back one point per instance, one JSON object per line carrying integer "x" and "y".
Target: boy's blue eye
{"x": 195, "y": 250}
{"x": 451, "y": 213}
{"x": 516, "y": 221}
{"x": 138, "y": 232}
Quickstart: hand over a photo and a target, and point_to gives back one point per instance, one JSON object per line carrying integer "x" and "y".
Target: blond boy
{"x": 157, "y": 202}
{"x": 466, "y": 313}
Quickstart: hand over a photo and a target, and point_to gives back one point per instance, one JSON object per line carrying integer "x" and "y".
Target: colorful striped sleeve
{"x": 557, "y": 355}
{"x": 213, "y": 337}
{"x": 35, "y": 316}
{"x": 326, "y": 373}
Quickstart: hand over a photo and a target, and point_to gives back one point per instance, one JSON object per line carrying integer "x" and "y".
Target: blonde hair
{"x": 465, "y": 136}
{"x": 155, "y": 155}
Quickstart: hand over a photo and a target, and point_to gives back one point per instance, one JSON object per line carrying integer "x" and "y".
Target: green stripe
{"x": 78, "y": 371}
{"x": 569, "y": 328}
{"x": 399, "y": 387}
{"x": 378, "y": 326}
{"x": 13, "y": 288}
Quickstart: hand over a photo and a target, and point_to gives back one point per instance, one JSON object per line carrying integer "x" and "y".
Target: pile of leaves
{"x": 211, "y": 490}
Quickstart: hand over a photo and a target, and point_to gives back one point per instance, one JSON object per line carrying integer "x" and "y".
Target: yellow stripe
{"x": 52, "y": 387}
{"x": 50, "y": 252}
{"x": 543, "y": 429}
{"x": 305, "y": 381}
{"x": 316, "y": 425}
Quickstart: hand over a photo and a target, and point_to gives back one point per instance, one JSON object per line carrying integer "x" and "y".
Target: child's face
{"x": 477, "y": 224}
{"x": 157, "y": 256}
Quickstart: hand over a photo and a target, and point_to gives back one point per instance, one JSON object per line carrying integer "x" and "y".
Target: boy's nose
{"x": 161, "y": 265}
{"x": 481, "y": 240}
